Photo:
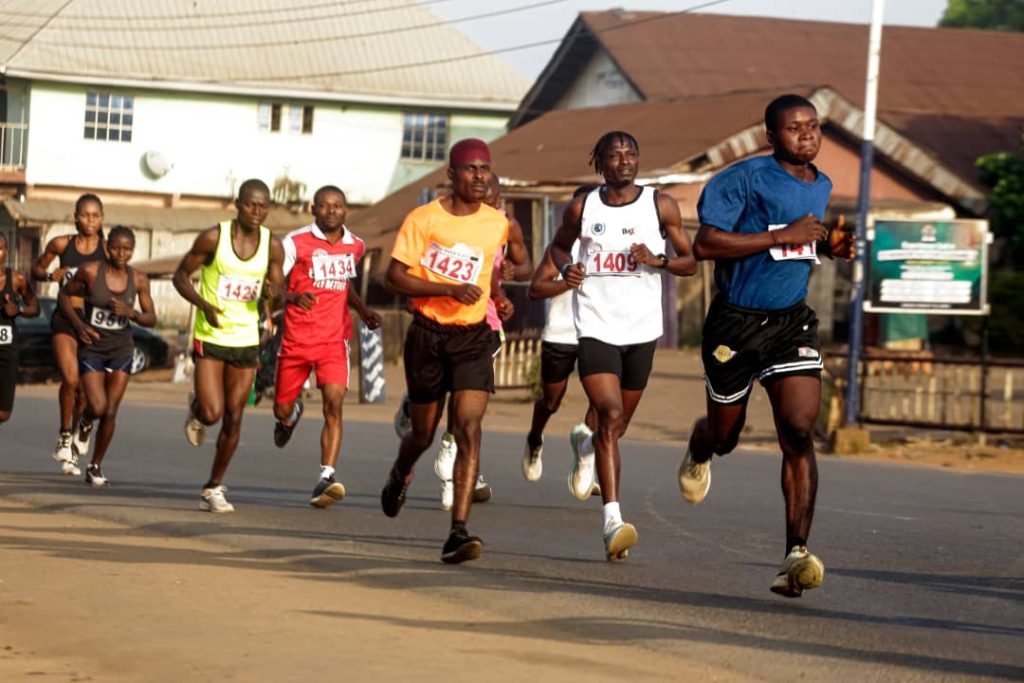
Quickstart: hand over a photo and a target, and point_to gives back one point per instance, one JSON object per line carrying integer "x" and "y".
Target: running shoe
{"x": 328, "y": 491}
{"x": 195, "y": 431}
{"x": 213, "y": 500}
{"x": 94, "y": 477}
{"x": 283, "y": 432}
{"x": 800, "y": 571}
{"x": 596, "y": 490}
{"x": 461, "y": 547}
{"x": 403, "y": 420}
{"x": 583, "y": 473}
{"x": 63, "y": 452}
{"x": 532, "y": 464}
{"x": 444, "y": 463}
{"x": 447, "y": 494}
{"x": 482, "y": 490}
{"x": 694, "y": 478}
{"x": 80, "y": 440}
{"x": 618, "y": 541}
{"x": 392, "y": 497}
{"x": 70, "y": 467}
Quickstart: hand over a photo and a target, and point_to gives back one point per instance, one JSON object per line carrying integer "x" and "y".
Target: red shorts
{"x": 295, "y": 364}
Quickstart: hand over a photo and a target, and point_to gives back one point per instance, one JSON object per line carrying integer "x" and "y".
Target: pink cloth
{"x": 492, "y": 311}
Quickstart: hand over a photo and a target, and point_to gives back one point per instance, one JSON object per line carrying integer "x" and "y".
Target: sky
{"x": 548, "y": 20}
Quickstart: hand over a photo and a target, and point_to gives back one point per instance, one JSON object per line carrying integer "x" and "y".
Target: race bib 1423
{"x": 461, "y": 263}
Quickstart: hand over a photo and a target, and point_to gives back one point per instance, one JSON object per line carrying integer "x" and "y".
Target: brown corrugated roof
{"x": 958, "y": 92}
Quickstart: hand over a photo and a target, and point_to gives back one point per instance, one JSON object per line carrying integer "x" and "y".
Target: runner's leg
{"x": 605, "y": 396}
{"x": 114, "y": 385}
{"x": 795, "y": 401}
{"x": 210, "y": 381}
{"x": 544, "y": 407}
{"x": 65, "y": 350}
{"x": 719, "y": 431}
{"x": 330, "y": 436}
{"x": 469, "y": 407}
{"x": 236, "y": 387}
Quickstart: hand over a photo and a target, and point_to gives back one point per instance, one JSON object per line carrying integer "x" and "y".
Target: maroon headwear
{"x": 470, "y": 149}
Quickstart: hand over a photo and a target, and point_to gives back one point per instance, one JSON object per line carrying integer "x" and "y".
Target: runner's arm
{"x": 517, "y": 254}
{"x": 202, "y": 252}
{"x": 78, "y": 286}
{"x": 147, "y": 318}
{"x": 544, "y": 284}
{"x": 369, "y": 316}
{"x": 23, "y": 287}
{"x": 683, "y": 263}
{"x": 399, "y": 281}
{"x": 273, "y": 288}
{"x": 54, "y": 248}
{"x": 561, "y": 245}
{"x": 715, "y": 243}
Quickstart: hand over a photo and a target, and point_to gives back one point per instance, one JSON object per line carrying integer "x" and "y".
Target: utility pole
{"x": 867, "y": 148}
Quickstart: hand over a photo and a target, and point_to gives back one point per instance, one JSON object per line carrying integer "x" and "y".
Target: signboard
{"x": 928, "y": 267}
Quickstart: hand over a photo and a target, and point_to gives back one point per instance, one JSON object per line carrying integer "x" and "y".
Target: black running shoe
{"x": 94, "y": 477}
{"x": 328, "y": 491}
{"x": 392, "y": 498}
{"x": 461, "y": 547}
{"x": 282, "y": 432}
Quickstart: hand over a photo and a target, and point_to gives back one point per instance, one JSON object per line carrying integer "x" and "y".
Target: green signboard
{"x": 928, "y": 267}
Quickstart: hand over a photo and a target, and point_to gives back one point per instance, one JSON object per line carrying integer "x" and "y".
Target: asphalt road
{"x": 924, "y": 568}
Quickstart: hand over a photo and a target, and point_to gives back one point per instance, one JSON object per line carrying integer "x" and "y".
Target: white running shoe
{"x": 447, "y": 494}
{"x": 583, "y": 473}
{"x": 482, "y": 490}
{"x": 81, "y": 437}
{"x": 195, "y": 431}
{"x": 800, "y": 571}
{"x": 619, "y": 540}
{"x": 213, "y": 500}
{"x": 694, "y": 478}
{"x": 94, "y": 477}
{"x": 532, "y": 464}
{"x": 63, "y": 452}
{"x": 70, "y": 467}
{"x": 403, "y": 420}
{"x": 444, "y": 463}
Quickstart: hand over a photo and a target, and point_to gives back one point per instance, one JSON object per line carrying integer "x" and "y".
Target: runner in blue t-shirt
{"x": 761, "y": 221}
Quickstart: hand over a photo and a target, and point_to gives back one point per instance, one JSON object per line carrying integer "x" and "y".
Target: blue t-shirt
{"x": 748, "y": 197}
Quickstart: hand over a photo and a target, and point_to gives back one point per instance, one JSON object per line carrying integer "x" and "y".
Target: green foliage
{"x": 1006, "y": 323}
{"x": 1003, "y": 174}
{"x": 995, "y": 15}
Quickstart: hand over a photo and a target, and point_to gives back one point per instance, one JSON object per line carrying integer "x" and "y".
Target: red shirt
{"x": 312, "y": 264}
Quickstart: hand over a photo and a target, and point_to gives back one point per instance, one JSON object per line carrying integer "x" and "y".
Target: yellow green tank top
{"x": 233, "y": 285}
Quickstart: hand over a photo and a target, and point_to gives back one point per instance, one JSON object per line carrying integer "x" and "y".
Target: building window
{"x": 425, "y": 137}
{"x": 109, "y": 116}
{"x": 300, "y": 117}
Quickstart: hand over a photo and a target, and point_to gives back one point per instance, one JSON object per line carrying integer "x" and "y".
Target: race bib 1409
{"x": 461, "y": 262}
{"x": 611, "y": 263}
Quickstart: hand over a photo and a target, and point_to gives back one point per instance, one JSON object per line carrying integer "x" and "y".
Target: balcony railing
{"x": 12, "y": 146}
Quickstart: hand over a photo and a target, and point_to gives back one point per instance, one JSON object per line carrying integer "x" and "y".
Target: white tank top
{"x": 619, "y": 301}
{"x": 560, "y": 327}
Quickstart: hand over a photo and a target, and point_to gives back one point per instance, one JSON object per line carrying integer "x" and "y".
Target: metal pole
{"x": 863, "y": 203}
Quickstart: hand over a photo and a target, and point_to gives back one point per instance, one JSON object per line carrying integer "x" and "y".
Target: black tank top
{"x": 115, "y": 330}
{"x": 8, "y": 330}
{"x": 72, "y": 259}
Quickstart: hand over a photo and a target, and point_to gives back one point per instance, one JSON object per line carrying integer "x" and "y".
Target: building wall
{"x": 214, "y": 144}
{"x": 599, "y": 84}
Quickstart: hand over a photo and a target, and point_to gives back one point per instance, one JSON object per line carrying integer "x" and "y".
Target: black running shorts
{"x": 557, "y": 361}
{"x": 442, "y": 358}
{"x": 59, "y": 323}
{"x": 8, "y": 378}
{"x": 741, "y": 344}
{"x": 632, "y": 363}
{"x": 240, "y": 357}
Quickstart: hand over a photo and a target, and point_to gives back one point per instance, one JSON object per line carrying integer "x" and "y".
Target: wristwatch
{"x": 662, "y": 261}
{"x": 565, "y": 268}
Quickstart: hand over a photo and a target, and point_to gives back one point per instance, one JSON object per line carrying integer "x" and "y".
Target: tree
{"x": 1003, "y": 174}
{"x": 995, "y": 15}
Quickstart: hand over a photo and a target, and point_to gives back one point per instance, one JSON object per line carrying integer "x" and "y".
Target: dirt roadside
{"x": 88, "y": 600}
{"x": 674, "y": 398}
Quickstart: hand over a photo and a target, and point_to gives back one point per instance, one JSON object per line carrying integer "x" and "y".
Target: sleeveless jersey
{"x": 72, "y": 259}
{"x": 115, "y": 330}
{"x": 234, "y": 286}
{"x": 619, "y": 301}
{"x": 560, "y": 327}
{"x": 8, "y": 330}
{"x": 312, "y": 264}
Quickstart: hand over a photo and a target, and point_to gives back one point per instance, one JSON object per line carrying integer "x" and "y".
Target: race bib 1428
{"x": 233, "y": 288}
{"x": 461, "y": 263}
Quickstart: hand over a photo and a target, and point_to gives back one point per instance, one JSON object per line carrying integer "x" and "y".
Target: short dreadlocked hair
{"x": 606, "y": 141}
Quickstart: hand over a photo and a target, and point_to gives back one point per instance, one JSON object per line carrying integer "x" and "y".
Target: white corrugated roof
{"x": 363, "y": 50}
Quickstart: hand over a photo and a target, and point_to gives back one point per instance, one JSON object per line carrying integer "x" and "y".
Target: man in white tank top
{"x": 617, "y": 303}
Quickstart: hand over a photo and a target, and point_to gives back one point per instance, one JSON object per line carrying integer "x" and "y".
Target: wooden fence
{"x": 513, "y": 366}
